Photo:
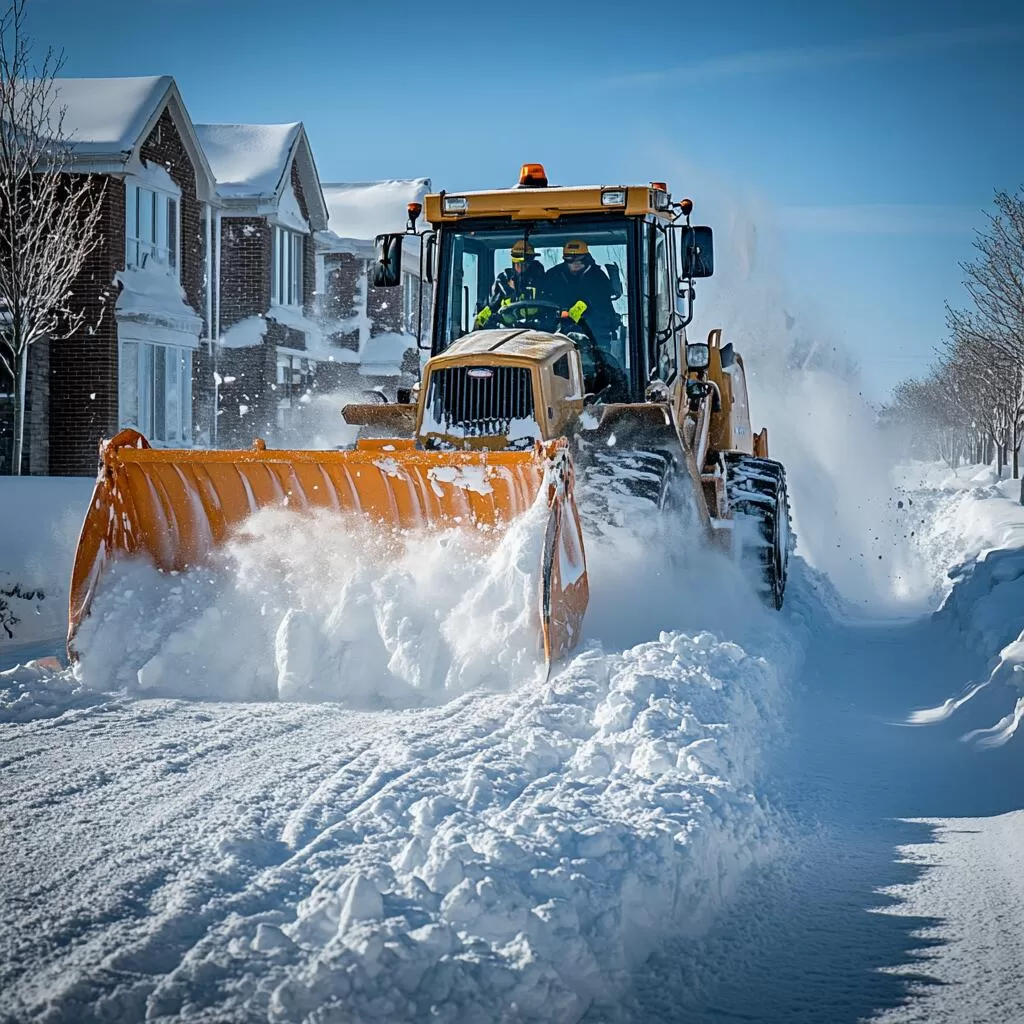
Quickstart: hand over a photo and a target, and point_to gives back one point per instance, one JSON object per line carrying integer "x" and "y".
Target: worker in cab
{"x": 583, "y": 290}
{"x": 518, "y": 283}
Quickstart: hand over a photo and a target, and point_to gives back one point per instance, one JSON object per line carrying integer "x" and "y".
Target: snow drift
{"x": 971, "y": 520}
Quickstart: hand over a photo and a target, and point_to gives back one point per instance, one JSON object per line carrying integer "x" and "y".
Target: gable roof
{"x": 252, "y": 163}
{"x": 106, "y": 120}
{"x": 362, "y": 210}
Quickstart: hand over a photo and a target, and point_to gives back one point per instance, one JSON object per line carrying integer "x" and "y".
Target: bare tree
{"x": 994, "y": 328}
{"x": 49, "y": 218}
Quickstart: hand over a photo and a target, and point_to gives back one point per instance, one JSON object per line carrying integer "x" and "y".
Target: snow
{"x": 40, "y": 518}
{"x": 107, "y": 115}
{"x": 248, "y": 160}
{"x": 154, "y": 296}
{"x": 246, "y": 333}
{"x": 381, "y": 355}
{"x": 153, "y": 174}
{"x": 975, "y": 523}
{"x": 502, "y": 841}
{"x": 362, "y": 210}
{"x": 327, "y": 778}
{"x": 472, "y": 478}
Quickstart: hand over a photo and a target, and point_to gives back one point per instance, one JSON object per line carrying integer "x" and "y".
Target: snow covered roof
{"x": 108, "y": 115}
{"x": 252, "y": 162}
{"x": 248, "y": 159}
{"x": 106, "y": 120}
{"x": 362, "y": 210}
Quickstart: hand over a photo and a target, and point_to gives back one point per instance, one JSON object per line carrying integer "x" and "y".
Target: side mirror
{"x": 698, "y": 252}
{"x": 698, "y": 357}
{"x": 387, "y": 268}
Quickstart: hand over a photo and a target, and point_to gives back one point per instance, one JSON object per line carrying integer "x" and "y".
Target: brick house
{"x": 378, "y": 326}
{"x": 143, "y": 289}
{"x": 268, "y": 345}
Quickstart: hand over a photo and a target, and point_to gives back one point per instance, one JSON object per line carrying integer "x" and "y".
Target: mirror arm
{"x": 689, "y": 303}
{"x": 419, "y": 307}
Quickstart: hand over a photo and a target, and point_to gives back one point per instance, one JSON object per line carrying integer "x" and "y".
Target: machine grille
{"x": 480, "y": 401}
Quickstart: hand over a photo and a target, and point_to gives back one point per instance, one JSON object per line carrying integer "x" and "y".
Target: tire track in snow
{"x": 145, "y": 862}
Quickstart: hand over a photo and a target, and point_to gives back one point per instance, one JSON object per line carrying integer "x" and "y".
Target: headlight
{"x": 455, "y": 204}
{"x": 613, "y": 197}
{"x": 698, "y": 356}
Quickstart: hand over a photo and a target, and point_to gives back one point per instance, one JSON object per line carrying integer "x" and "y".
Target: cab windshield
{"x": 562, "y": 277}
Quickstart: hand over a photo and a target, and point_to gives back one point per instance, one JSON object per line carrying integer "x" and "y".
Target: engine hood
{"x": 533, "y": 346}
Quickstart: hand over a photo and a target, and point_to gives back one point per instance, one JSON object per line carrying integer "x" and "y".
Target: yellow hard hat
{"x": 522, "y": 250}
{"x": 574, "y": 248}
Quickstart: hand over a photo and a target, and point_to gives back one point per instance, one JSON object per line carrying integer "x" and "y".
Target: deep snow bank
{"x": 974, "y": 522}
{"x": 40, "y": 518}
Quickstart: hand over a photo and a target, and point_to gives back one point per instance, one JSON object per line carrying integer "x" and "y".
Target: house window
{"x": 286, "y": 285}
{"x": 294, "y": 380}
{"x": 155, "y": 386}
{"x": 152, "y": 229}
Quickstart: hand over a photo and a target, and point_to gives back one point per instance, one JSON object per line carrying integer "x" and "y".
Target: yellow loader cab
{"x": 556, "y": 332}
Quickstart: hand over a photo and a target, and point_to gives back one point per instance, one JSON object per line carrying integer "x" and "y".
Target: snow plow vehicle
{"x": 557, "y": 346}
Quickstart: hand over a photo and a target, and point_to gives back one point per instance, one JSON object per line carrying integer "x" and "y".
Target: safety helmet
{"x": 522, "y": 250}
{"x": 574, "y": 249}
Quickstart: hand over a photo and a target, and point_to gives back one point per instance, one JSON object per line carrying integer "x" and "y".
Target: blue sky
{"x": 864, "y": 143}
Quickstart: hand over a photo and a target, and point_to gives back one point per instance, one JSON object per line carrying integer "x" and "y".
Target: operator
{"x": 582, "y": 289}
{"x": 522, "y": 281}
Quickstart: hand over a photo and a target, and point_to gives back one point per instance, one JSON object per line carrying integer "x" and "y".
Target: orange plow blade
{"x": 179, "y": 506}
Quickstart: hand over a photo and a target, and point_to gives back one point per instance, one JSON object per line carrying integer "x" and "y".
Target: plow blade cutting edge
{"x": 179, "y": 506}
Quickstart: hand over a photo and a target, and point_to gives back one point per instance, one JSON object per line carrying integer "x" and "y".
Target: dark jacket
{"x": 591, "y": 285}
{"x": 513, "y": 286}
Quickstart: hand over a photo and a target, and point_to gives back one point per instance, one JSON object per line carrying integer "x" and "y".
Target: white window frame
{"x": 293, "y": 374}
{"x": 144, "y": 368}
{"x": 152, "y": 228}
{"x": 286, "y": 280}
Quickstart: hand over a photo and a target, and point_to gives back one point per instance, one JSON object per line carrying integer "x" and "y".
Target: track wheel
{"x": 756, "y": 489}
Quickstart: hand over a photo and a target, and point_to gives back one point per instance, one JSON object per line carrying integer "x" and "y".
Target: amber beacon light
{"x": 533, "y": 176}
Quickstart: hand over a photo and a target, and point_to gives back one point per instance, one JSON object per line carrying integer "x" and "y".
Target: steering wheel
{"x": 545, "y": 313}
